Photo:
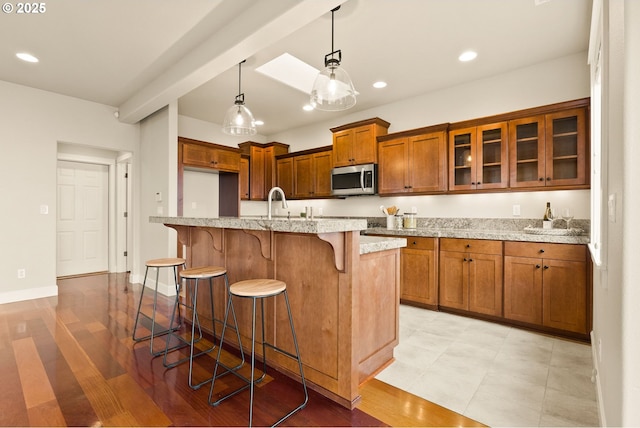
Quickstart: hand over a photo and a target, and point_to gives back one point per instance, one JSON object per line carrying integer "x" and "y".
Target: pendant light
{"x": 239, "y": 120}
{"x": 332, "y": 89}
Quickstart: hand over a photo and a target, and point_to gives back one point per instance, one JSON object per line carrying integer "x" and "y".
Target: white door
{"x": 82, "y": 218}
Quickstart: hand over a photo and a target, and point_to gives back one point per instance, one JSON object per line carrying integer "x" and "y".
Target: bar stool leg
{"x": 297, "y": 357}
{"x": 153, "y": 315}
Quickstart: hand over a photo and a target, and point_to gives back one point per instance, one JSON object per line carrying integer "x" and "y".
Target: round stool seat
{"x": 203, "y": 272}
{"x": 257, "y": 288}
{"x": 167, "y": 262}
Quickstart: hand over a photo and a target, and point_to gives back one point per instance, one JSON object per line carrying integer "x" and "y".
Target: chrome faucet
{"x": 284, "y": 199}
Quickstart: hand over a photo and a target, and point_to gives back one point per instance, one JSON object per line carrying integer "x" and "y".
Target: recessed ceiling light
{"x": 27, "y": 57}
{"x": 258, "y": 122}
{"x": 467, "y": 56}
{"x": 380, "y": 84}
{"x": 307, "y": 107}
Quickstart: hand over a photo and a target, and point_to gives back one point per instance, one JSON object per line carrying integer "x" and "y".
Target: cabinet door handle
{"x": 537, "y": 266}
{"x": 546, "y": 267}
{"x": 470, "y": 260}
{"x": 465, "y": 259}
{"x": 479, "y": 183}
{"x": 541, "y": 179}
{"x": 473, "y": 183}
{"x": 548, "y": 178}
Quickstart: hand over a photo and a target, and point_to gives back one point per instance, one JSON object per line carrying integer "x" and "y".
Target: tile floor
{"x": 497, "y": 375}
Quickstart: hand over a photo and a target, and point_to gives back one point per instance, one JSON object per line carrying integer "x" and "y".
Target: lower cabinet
{"x": 418, "y": 272}
{"x": 471, "y": 275}
{"x": 546, "y": 285}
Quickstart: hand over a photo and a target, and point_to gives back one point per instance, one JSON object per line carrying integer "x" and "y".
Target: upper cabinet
{"x": 413, "y": 161}
{"x": 262, "y": 166}
{"x": 207, "y": 155}
{"x": 549, "y": 150}
{"x": 355, "y": 143}
{"x": 306, "y": 174}
{"x": 478, "y": 157}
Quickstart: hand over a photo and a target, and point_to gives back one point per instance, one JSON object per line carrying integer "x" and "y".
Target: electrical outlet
{"x": 22, "y": 273}
{"x": 516, "y": 210}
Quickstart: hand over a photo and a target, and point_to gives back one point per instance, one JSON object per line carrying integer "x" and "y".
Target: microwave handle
{"x": 362, "y": 179}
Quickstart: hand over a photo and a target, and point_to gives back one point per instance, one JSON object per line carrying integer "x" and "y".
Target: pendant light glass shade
{"x": 239, "y": 121}
{"x": 333, "y": 89}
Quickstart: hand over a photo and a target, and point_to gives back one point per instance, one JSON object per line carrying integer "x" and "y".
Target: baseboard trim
{"x": 596, "y": 367}
{"x": 29, "y": 294}
{"x": 164, "y": 289}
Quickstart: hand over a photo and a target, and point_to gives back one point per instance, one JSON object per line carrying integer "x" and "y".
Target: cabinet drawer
{"x": 416, "y": 243}
{"x": 545, "y": 250}
{"x": 471, "y": 245}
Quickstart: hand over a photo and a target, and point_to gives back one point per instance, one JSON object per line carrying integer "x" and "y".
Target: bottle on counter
{"x": 547, "y": 219}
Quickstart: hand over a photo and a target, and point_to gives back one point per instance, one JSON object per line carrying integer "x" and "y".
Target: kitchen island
{"x": 343, "y": 288}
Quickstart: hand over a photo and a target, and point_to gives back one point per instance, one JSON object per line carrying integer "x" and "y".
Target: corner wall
{"x": 33, "y": 123}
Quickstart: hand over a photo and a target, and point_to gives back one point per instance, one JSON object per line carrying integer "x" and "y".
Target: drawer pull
{"x": 542, "y": 250}
{"x": 468, "y": 245}
{"x": 415, "y": 243}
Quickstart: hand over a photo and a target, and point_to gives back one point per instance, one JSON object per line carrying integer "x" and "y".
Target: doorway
{"x": 93, "y": 214}
{"x": 82, "y": 218}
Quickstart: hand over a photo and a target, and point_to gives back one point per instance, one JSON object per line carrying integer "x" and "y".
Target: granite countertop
{"x": 277, "y": 224}
{"x": 373, "y": 244}
{"x": 501, "y": 235}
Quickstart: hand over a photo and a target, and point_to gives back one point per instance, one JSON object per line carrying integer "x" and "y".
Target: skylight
{"x": 291, "y": 71}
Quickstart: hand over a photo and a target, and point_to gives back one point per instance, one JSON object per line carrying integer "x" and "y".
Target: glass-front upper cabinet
{"x": 548, "y": 150}
{"x": 478, "y": 157}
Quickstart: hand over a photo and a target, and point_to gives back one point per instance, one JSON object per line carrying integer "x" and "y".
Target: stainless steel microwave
{"x": 354, "y": 180}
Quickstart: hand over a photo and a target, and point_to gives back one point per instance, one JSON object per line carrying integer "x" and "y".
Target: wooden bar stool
{"x": 193, "y": 276}
{"x": 157, "y": 264}
{"x": 258, "y": 289}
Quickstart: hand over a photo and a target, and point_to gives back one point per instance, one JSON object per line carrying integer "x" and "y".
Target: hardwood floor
{"x": 70, "y": 361}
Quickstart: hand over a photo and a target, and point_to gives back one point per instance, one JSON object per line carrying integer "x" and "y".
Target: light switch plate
{"x": 612, "y": 207}
{"x": 516, "y": 209}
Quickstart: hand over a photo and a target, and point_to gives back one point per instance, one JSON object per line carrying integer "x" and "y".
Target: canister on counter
{"x": 398, "y": 221}
{"x": 409, "y": 221}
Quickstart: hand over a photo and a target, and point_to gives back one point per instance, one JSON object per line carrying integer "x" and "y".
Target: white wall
{"x": 200, "y": 194}
{"x": 158, "y": 192}
{"x": 631, "y": 226}
{"x": 617, "y": 286}
{"x": 33, "y": 122}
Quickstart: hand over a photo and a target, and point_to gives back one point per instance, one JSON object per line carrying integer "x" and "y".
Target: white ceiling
{"x": 140, "y": 55}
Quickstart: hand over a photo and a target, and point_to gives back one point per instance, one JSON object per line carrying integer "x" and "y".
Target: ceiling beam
{"x": 255, "y": 28}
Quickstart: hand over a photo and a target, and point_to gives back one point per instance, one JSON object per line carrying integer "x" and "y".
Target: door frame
{"x": 115, "y": 245}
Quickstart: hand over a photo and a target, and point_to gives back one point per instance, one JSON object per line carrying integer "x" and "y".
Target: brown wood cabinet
{"x": 471, "y": 275}
{"x": 355, "y": 143}
{"x": 244, "y": 177}
{"x": 262, "y": 166}
{"x": 284, "y": 175}
{"x": 478, "y": 157}
{"x": 413, "y": 161}
{"x": 419, "y": 272}
{"x": 546, "y": 285}
{"x": 312, "y": 175}
{"x": 305, "y": 174}
{"x": 549, "y": 150}
{"x": 209, "y": 156}
{"x": 200, "y": 154}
